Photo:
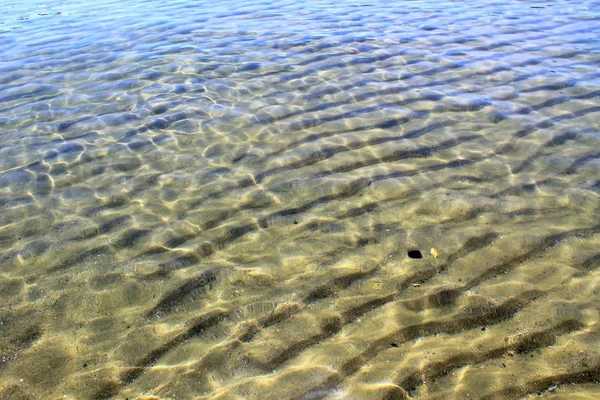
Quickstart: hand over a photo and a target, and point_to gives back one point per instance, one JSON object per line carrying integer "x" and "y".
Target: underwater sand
{"x": 217, "y": 200}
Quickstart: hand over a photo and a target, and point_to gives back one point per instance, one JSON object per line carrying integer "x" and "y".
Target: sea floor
{"x": 299, "y": 200}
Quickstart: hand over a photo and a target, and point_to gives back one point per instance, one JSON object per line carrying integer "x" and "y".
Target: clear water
{"x": 299, "y": 200}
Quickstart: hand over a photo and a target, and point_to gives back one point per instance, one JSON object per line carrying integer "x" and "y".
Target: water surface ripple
{"x": 299, "y": 200}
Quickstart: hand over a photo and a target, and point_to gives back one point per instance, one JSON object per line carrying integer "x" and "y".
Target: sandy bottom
{"x": 298, "y": 201}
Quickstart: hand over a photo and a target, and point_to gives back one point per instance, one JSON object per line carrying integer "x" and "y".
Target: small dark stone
{"x": 84, "y": 365}
{"x": 206, "y": 249}
{"x": 415, "y": 254}
{"x": 394, "y": 345}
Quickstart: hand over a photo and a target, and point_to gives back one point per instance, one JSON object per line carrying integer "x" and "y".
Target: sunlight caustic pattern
{"x": 218, "y": 201}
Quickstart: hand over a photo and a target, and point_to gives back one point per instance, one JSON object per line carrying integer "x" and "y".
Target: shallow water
{"x": 206, "y": 200}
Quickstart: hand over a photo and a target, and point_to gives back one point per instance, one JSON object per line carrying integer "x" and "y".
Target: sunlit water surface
{"x": 218, "y": 200}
